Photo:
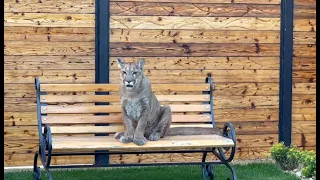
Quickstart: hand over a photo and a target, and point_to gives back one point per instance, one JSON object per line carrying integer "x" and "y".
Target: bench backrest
{"x": 75, "y": 109}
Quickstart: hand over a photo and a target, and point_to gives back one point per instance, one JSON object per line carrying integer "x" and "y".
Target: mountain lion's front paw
{"x": 126, "y": 139}
{"x": 154, "y": 137}
{"x": 140, "y": 140}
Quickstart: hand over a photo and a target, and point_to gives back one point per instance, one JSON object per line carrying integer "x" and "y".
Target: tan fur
{"x": 142, "y": 114}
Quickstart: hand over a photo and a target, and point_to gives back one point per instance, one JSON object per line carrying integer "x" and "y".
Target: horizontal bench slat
{"x": 116, "y": 119}
{"x": 115, "y": 87}
{"x": 104, "y": 129}
{"x": 113, "y": 109}
{"x": 116, "y": 98}
{"x": 109, "y": 143}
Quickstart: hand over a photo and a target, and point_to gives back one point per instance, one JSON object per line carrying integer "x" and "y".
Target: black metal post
{"x": 102, "y": 59}
{"x": 286, "y": 52}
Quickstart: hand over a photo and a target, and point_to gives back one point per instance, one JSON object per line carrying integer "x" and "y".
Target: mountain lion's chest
{"x": 134, "y": 108}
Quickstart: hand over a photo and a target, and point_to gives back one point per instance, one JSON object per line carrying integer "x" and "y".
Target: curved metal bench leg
{"x": 207, "y": 169}
{"x": 36, "y": 168}
{"x": 234, "y": 176}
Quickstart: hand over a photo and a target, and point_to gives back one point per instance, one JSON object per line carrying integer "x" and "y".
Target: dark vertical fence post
{"x": 101, "y": 58}
{"x": 286, "y": 52}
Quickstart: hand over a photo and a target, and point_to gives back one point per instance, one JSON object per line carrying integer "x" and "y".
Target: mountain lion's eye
{"x": 134, "y": 73}
{"x": 124, "y": 72}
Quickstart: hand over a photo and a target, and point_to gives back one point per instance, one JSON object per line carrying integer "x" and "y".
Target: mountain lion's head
{"x": 131, "y": 73}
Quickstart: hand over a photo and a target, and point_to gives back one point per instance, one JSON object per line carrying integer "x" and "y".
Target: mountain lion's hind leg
{"x": 163, "y": 125}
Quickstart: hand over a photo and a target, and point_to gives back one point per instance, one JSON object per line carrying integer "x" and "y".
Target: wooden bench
{"x": 71, "y": 122}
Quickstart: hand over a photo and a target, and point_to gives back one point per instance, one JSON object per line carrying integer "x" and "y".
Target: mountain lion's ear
{"x": 120, "y": 63}
{"x": 140, "y": 63}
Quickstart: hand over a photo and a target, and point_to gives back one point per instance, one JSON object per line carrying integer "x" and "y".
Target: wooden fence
{"x": 238, "y": 42}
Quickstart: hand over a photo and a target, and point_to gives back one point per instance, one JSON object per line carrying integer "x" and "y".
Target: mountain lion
{"x": 142, "y": 114}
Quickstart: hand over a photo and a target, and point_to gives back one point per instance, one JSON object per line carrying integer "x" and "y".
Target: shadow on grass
{"x": 261, "y": 171}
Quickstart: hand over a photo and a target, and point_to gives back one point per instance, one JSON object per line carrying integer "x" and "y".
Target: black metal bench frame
{"x": 45, "y": 148}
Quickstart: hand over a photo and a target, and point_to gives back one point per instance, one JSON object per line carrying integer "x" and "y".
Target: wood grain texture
{"x": 48, "y": 48}
{"x": 25, "y": 159}
{"x": 11, "y": 160}
{"x": 304, "y": 37}
{"x": 308, "y": 76}
{"x": 109, "y": 143}
{"x": 230, "y": 76}
{"x": 190, "y": 49}
{"x": 193, "y": 63}
{"x": 308, "y": 101}
{"x": 195, "y": 36}
{"x": 304, "y": 63}
{"x": 116, "y": 98}
{"x": 49, "y": 20}
{"x": 38, "y": 34}
{"x": 191, "y": 9}
{"x": 221, "y": 89}
{"x": 311, "y": 3}
{"x": 301, "y": 12}
{"x": 304, "y": 139}
{"x": 115, "y": 87}
{"x": 174, "y": 22}
{"x": 304, "y": 50}
{"x": 224, "y": 115}
{"x": 304, "y": 88}
{"x": 304, "y": 114}
{"x": 48, "y": 62}
{"x": 304, "y": 25}
{"x": 218, "y": 1}
{"x": 20, "y": 118}
{"x": 307, "y": 127}
{"x": 50, "y": 6}
{"x": 49, "y": 76}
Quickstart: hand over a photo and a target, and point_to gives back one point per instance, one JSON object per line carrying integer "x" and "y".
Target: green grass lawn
{"x": 254, "y": 171}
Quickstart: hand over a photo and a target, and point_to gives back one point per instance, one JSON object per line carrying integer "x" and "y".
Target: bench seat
{"x": 168, "y": 142}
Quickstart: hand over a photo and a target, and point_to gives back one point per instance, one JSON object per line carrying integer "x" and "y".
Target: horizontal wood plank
{"x": 304, "y": 63}
{"x": 195, "y": 36}
{"x": 304, "y": 101}
{"x": 304, "y": 88}
{"x": 109, "y": 143}
{"x": 115, "y": 108}
{"x": 48, "y": 48}
{"x": 214, "y": 1}
{"x": 49, "y": 20}
{"x": 56, "y": 6}
{"x": 304, "y": 12}
{"x": 48, "y": 62}
{"x": 304, "y": 139}
{"x": 307, "y": 127}
{"x": 304, "y": 76}
{"x": 224, "y": 115}
{"x": 115, "y": 87}
{"x": 305, "y": 3}
{"x": 220, "y": 89}
{"x": 190, "y": 49}
{"x": 304, "y": 37}
{"x": 191, "y": 9}
{"x": 174, "y": 22}
{"x": 304, "y": 25}
{"x": 52, "y": 34}
{"x": 48, "y": 76}
{"x": 116, "y": 98}
{"x": 197, "y": 76}
{"x": 304, "y": 114}
{"x": 304, "y": 50}
{"x": 193, "y": 63}
{"x": 24, "y": 159}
